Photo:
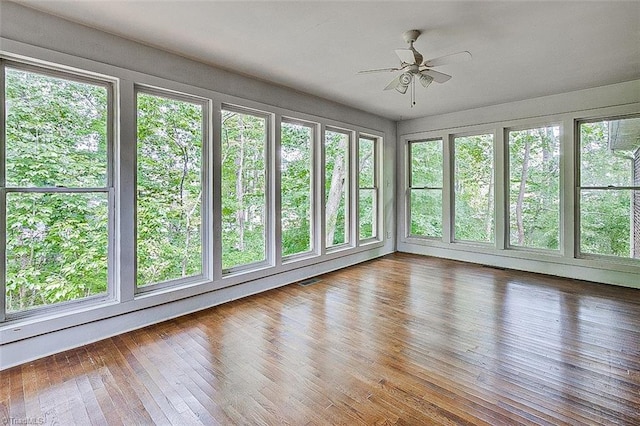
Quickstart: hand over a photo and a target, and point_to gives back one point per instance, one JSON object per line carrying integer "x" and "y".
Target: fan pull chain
{"x": 413, "y": 91}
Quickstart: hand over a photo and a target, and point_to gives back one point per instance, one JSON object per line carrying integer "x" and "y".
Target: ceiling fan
{"x": 414, "y": 68}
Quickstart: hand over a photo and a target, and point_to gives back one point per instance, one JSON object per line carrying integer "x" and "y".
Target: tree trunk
{"x": 334, "y": 198}
{"x": 523, "y": 182}
{"x": 488, "y": 223}
{"x": 187, "y": 241}
{"x": 240, "y": 213}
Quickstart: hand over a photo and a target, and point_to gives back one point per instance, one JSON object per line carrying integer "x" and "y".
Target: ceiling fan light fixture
{"x": 405, "y": 78}
{"x": 425, "y": 80}
{"x": 403, "y": 82}
{"x": 402, "y": 88}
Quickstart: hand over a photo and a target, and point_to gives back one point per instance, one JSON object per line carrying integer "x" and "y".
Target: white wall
{"x": 564, "y": 109}
{"x": 36, "y": 35}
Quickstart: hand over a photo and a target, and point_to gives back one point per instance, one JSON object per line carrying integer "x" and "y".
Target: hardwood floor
{"x": 399, "y": 340}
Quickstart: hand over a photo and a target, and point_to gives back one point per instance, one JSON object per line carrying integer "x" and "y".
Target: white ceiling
{"x": 520, "y": 50}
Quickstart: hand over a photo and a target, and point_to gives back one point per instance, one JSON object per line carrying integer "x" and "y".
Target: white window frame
{"x": 496, "y": 225}
{"x": 350, "y": 233}
{"x": 409, "y": 188}
{"x": 376, "y": 220}
{"x": 205, "y": 179}
{"x": 580, "y": 188}
{"x": 78, "y": 76}
{"x": 313, "y": 189}
{"x": 507, "y": 188}
{"x": 269, "y": 178}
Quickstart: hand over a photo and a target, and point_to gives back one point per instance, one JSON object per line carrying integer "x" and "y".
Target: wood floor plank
{"x": 400, "y": 340}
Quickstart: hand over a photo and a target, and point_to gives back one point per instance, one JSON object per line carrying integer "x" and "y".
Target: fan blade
{"x": 425, "y": 79}
{"x": 406, "y": 56}
{"x": 394, "y": 83}
{"x": 448, "y": 59}
{"x": 438, "y": 77}
{"x": 379, "y": 70}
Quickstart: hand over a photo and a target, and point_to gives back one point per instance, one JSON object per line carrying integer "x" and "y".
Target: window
{"x": 425, "y": 188}
{"x": 610, "y": 187}
{"x": 56, "y": 188}
{"x": 367, "y": 188}
{"x": 169, "y": 188}
{"x": 244, "y": 202}
{"x": 296, "y": 170}
{"x": 336, "y": 153}
{"x": 106, "y": 192}
{"x": 474, "y": 188}
{"x": 534, "y": 187}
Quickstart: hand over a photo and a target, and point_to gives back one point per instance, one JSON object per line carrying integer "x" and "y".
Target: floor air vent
{"x": 309, "y": 282}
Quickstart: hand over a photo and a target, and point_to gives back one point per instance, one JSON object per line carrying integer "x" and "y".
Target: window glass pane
{"x": 336, "y": 151}
{"x": 367, "y": 212}
{"x": 425, "y": 205}
{"x": 426, "y": 212}
{"x": 610, "y": 222}
{"x": 367, "y": 200}
{"x": 474, "y": 208}
{"x": 56, "y": 248}
{"x": 296, "y": 168}
{"x": 366, "y": 163}
{"x": 609, "y": 153}
{"x": 244, "y": 138}
{"x": 56, "y": 131}
{"x": 534, "y": 164}
{"x": 169, "y": 185}
{"x": 426, "y": 163}
{"x": 610, "y": 157}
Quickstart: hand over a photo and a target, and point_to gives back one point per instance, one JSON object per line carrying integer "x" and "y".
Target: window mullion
{"x": 125, "y": 184}
{"x": 57, "y": 189}
{"x": 321, "y": 215}
{"x": 568, "y": 195}
{"x": 353, "y": 193}
{"x": 447, "y": 193}
{"x": 3, "y": 197}
{"x": 276, "y": 178}
{"x": 216, "y": 157}
{"x": 501, "y": 195}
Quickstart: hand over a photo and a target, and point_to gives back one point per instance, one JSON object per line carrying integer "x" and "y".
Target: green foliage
{"x": 58, "y": 237}
{"x": 169, "y": 189}
{"x": 426, "y": 212}
{"x": 296, "y": 169}
{"x": 56, "y": 242}
{"x": 367, "y": 196}
{"x": 336, "y": 152}
{"x": 426, "y": 163}
{"x": 604, "y": 222}
{"x": 474, "y": 207}
{"x": 606, "y": 214}
{"x": 534, "y": 164}
{"x": 426, "y": 203}
{"x": 243, "y": 189}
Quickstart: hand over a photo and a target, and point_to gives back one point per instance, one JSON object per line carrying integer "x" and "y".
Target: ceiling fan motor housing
{"x": 411, "y": 36}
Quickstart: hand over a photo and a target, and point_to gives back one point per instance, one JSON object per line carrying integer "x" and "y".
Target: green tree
{"x": 243, "y": 189}
{"x": 534, "y": 164}
{"x": 426, "y": 188}
{"x": 474, "y": 210}
{"x": 367, "y": 192}
{"x": 169, "y": 186}
{"x": 336, "y": 153}
{"x": 56, "y": 137}
{"x": 296, "y": 196}
{"x": 606, "y": 214}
